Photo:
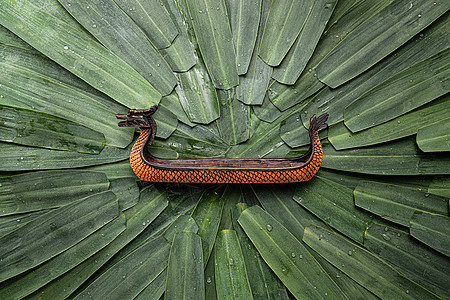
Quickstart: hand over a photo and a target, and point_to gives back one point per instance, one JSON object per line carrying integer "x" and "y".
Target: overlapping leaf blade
{"x": 392, "y": 27}
{"x": 286, "y": 256}
{"x": 21, "y": 158}
{"x": 78, "y": 52}
{"x": 440, "y": 186}
{"x": 413, "y": 259}
{"x": 434, "y": 137}
{"x": 39, "y": 240}
{"x": 351, "y": 16}
{"x": 180, "y": 54}
{"x": 429, "y": 42}
{"x": 234, "y": 122}
{"x": 153, "y": 18}
{"x": 244, "y": 21}
{"x": 213, "y": 32}
{"x": 31, "y": 281}
{"x": 400, "y": 157}
{"x": 432, "y": 230}
{"x": 197, "y": 95}
{"x": 13, "y": 222}
{"x": 117, "y": 32}
{"x": 207, "y": 215}
{"x": 29, "y": 80}
{"x": 195, "y": 87}
{"x": 407, "y": 90}
{"x": 397, "y": 203}
{"x": 253, "y": 85}
{"x": 132, "y": 274}
{"x": 322, "y": 196}
{"x": 231, "y": 274}
{"x": 281, "y": 31}
{"x": 295, "y": 60}
{"x": 342, "y": 138}
{"x": 31, "y": 128}
{"x": 185, "y": 268}
{"x": 363, "y": 266}
{"x": 264, "y": 283}
{"x": 139, "y": 217}
{"x": 48, "y": 189}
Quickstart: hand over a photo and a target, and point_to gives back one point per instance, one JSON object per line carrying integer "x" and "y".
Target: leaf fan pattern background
{"x": 232, "y": 78}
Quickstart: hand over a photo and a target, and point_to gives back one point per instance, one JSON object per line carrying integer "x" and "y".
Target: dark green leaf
{"x": 294, "y": 134}
{"x": 31, "y": 81}
{"x": 440, "y": 186}
{"x": 48, "y": 189}
{"x": 264, "y": 283}
{"x": 253, "y": 85}
{"x": 155, "y": 289}
{"x": 126, "y": 190}
{"x": 333, "y": 204}
{"x": 378, "y": 36}
{"x": 20, "y": 158}
{"x": 363, "y": 266}
{"x": 284, "y": 22}
{"x": 185, "y": 268}
{"x": 351, "y": 180}
{"x": 263, "y": 142}
{"x": 195, "y": 87}
{"x": 196, "y": 142}
{"x": 431, "y": 229}
{"x": 396, "y": 203}
{"x": 301, "y": 51}
{"x": 234, "y": 121}
{"x": 166, "y": 122}
{"x": 408, "y": 124}
{"x": 77, "y": 51}
{"x": 181, "y": 200}
{"x": 153, "y": 18}
{"x": 415, "y": 260}
{"x": 244, "y": 21}
{"x": 350, "y": 287}
{"x": 32, "y": 128}
{"x": 9, "y": 38}
{"x": 279, "y": 203}
{"x": 407, "y": 90}
{"x": 400, "y": 157}
{"x": 197, "y": 95}
{"x": 207, "y": 215}
{"x": 435, "y": 137}
{"x": 116, "y": 170}
{"x": 429, "y": 42}
{"x": 54, "y": 232}
{"x": 231, "y": 274}
{"x": 151, "y": 204}
{"x": 117, "y": 32}
{"x": 266, "y": 112}
{"x": 351, "y": 16}
{"x": 182, "y": 223}
{"x": 213, "y": 32}
{"x": 21, "y": 286}
{"x": 127, "y": 278}
{"x": 172, "y": 103}
{"x": 13, "y": 222}
{"x": 180, "y": 54}
{"x": 210, "y": 279}
{"x": 287, "y": 257}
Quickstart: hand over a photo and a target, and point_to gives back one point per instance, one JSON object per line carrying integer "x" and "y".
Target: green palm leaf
{"x": 232, "y": 79}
